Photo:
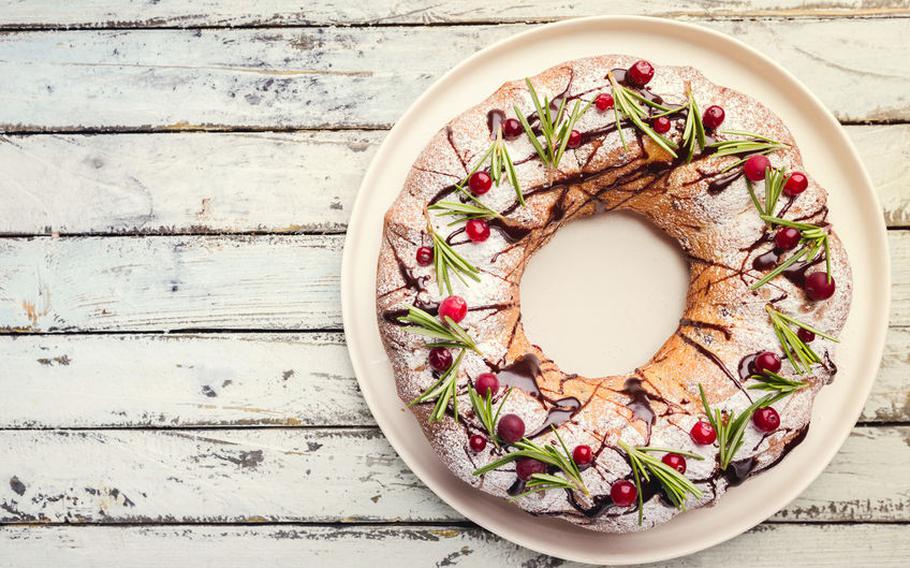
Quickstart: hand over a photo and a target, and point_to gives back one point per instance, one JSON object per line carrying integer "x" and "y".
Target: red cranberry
{"x": 477, "y": 443}
{"x": 440, "y": 359}
{"x": 703, "y": 433}
{"x": 511, "y": 128}
{"x": 453, "y": 307}
{"x": 478, "y": 230}
{"x": 526, "y": 467}
{"x": 787, "y": 238}
{"x": 766, "y": 419}
{"x": 641, "y": 73}
{"x": 805, "y": 335}
{"x": 755, "y": 167}
{"x": 480, "y": 183}
{"x": 511, "y": 428}
{"x": 583, "y": 455}
{"x": 766, "y": 361}
{"x": 603, "y": 102}
{"x": 661, "y": 124}
{"x": 818, "y": 286}
{"x": 796, "y": 184}
{"x": 623, "y": 493}
{"x": 486, "y": 384}
{"x": 574, "y": 139}
{"x": 713, "y": 117}
{"x": 424, "y": 256}
{"x": 675, "y": 461}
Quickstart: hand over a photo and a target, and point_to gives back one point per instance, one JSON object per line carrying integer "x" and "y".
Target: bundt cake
{"x": 728, "y": 395}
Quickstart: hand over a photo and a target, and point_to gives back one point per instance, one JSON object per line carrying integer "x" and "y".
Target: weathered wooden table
{"x": 175, "y": 181}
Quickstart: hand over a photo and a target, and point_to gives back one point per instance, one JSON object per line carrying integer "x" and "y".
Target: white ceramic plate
{"x": 828, "y": 157}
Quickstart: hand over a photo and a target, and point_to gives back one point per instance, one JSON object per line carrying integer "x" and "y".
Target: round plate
{"x": 828, "y": 156}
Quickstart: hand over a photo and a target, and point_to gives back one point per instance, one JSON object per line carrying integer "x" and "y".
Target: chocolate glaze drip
{"x": 639, "y": 403}
{"x": 707, "y": 325}
{"x": 797, "y": 273}
{"x": 746, "y": 367}
{"x": 723, "y": 181}
{"x": 740, "y": 470}
{"x": 766, "y": 261}
{"x": 495, "y": 118}
{"x": 563, "y": 410}
{"x": 517, "y": 488}
{"x": 522, "y": 374}
{"x": 829, "y": 364}
{"x": 601, "y": 504}
{"x": 511, "y": 233}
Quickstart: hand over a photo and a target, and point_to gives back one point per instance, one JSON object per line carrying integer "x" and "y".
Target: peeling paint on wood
{"x": 281, "y": 475}
{"x": 120, "y": 13}
{"x": 253, "y": 182}
{"x": 244, "y": 379}
{"x": 252, "y": 78}
{"x": 765, "y": 546}
{"x": 183, "y": 183}
{"x": 241, "y": 282}
{"x": 258, "y": 282}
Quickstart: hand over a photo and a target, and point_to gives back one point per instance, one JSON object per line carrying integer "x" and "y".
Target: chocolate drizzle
{"x": 522, "y": 374}
{"x": 495, "y": 118}
{"x": 564, "y": 409}
{"x": 723, "y": 181}
{"x": 639, "y": 403}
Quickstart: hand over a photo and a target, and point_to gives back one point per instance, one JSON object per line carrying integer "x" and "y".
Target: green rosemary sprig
{"x": 800, "y": 355}
{"x": 694, "y": 131}
{"x": 443, "y": 391}
{"x": 500, "y": 164}
{"x": 774, "y": 185}
{"x": 813, "y": 240}
{"x": 545, "y": 482}
{"x": 779, "y": 385}
{"x": 555, "y": 127}
{"x": 446, "y": 261}
{"x": 463, "y": 211}
{"x": 644, "y": 465}
{"x": 483, "y": 409}
{"x": 749, "y": 143}
{"x": 730, "y": 428}
{"x": 560, "y": 458}
{"x": 626, "y": 104}
{"x": 448, "y": 334}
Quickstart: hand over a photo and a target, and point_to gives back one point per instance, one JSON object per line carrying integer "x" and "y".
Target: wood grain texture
{"x": 363, "y": 77}
{"x": 176, "y": 13}
{"x": 185, "y": 183}
{"x": 169, "y": 283}
{"x": 181, "y": 283}
{"x": 765, "y": 546}
{"x": 168, "y": 381}
{"x": 289, "y": 475}
{"x": 221, "y": 380}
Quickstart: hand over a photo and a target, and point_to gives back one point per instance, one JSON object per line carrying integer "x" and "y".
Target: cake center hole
{"x": 604, "y": 294}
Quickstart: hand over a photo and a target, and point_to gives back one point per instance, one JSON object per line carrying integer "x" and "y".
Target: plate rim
{"x": 878, "y": 334}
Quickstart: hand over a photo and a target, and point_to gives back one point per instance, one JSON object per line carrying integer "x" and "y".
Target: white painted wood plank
{"x": 344, "y": 77}
{"x": 253, "y": 182}
{"x": 168, "y": 283}
{"x": 135, "y": 381}
{"x": 200, "y": 282}
{"x": 284, "y": 475}
{"x": 766, "y": 546}
{"x": 179, "y": 380}
{"x": 182, "y": 183}
{"x": 183, "y": 13}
